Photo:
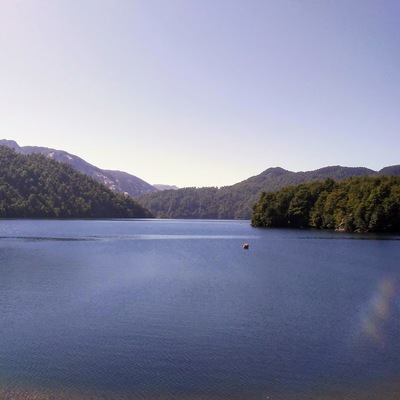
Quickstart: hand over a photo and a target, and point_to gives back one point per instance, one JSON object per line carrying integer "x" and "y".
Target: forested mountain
{"x": 34, "y": 186}
{"x": 229, "y": 202}
{"x": 236, "y": 201}
{"x": 368, "y": 204}
{"x": 117, "y": 181}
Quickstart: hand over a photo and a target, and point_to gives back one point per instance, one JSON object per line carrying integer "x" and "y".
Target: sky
{"x": 203, "y": 92}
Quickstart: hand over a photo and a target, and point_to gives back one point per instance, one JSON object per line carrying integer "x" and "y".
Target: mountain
{"x": 393, "y": 170}
{"x": 117, "y": 181}
{"x": 160, "y": 186}
{"x": 236, "y": 201}
{"x": 35, "y": 186}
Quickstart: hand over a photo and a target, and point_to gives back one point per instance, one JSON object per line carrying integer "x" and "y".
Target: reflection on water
{"x": 178, "y": 310}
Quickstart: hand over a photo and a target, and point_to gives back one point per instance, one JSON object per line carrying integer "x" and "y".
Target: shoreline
{"x": 387, "y": 392}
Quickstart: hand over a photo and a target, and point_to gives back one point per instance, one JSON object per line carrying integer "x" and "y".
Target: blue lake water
{"x": 174, "y": 309}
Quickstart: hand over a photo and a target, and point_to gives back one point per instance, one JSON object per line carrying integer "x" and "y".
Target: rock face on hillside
{"x": 117, "y": 181}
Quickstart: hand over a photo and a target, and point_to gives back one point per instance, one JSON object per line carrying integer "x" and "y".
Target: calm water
{"x": 177, "y": 309}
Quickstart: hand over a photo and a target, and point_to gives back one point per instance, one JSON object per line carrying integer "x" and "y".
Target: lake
{"x": 176, "y": 309}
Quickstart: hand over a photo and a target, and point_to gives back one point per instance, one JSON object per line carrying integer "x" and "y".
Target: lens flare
{"x": 378, "y": 311}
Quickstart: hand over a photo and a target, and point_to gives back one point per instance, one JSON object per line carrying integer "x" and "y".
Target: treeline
{"x": 202, "y": 203}
{"x": 369, "y": 204}
{"x": 236, "y": 201}
{"x": 33, "y": 186}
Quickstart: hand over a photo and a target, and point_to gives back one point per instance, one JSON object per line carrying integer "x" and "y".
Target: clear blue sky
{"x": 204, "y": 92}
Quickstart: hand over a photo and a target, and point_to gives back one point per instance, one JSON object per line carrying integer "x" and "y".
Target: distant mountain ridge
{"x": 160, "y": 186}
{"x": 117, "y": 181}
{"x": 236, "y": 201}
{"x": 228, "y": 202}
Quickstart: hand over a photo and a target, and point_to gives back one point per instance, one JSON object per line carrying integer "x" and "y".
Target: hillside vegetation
{"x": 236, "y": 201}
{"x": 33, "y": 186}
{"x": 117, "y": 181}
{"x": 369, "y": 204}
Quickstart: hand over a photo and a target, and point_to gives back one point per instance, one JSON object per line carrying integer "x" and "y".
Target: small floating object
{"x": 246, "y": 246}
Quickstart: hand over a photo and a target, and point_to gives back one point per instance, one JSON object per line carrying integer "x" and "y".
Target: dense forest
{"x": 33, "y": 186}
{"x": 368, "y": 204}
{"x": 236, "y": 201}
{"x": 117, "y": 181}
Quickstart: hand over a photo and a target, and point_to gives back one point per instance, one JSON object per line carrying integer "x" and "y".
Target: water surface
{"x": 177, "y": 309}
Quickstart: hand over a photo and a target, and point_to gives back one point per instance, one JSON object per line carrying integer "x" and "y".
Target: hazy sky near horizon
{"x": 203, "y": 92}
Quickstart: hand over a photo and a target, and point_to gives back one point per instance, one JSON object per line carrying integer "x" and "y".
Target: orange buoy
{"x": 246, "y": 246}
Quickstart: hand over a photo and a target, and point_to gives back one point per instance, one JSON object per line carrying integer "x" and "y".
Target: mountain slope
{"x": 117, "y": 181}
{"x": 236, "y": 201}
{"x": 34, "y": 186}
